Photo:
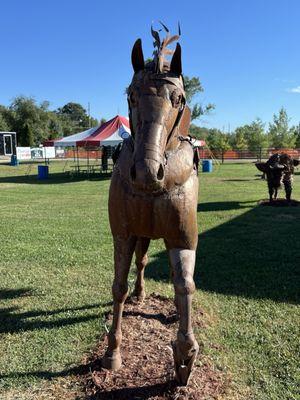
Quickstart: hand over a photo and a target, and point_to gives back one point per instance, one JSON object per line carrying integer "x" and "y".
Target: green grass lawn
{"x": 56, "y": 272}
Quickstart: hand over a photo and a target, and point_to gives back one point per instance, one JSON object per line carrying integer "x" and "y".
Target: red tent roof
{"x": 115, "y": 129}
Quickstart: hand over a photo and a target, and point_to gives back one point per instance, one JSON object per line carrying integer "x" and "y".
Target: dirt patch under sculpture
{"x": 147, "y": 371}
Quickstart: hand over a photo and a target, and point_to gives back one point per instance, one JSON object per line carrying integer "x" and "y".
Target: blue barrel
{"x": 207, "y": 166}
{"x": 13, "y": 160}
{"x": 43, "y": 171}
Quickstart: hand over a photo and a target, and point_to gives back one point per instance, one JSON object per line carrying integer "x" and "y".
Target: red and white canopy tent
{"x": 111, "y": 133}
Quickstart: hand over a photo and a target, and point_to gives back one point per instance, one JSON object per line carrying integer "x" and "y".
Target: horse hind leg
{"x": 123, "y": 252}
{"x": 141, "y": 261}
{"x": 185, "y": 348}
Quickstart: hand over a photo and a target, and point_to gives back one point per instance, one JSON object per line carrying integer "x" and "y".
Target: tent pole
{"x": 88, "y": 160}
{"x": 77, "y": 158}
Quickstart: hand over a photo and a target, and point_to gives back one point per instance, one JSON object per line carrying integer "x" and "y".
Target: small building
{"x": 8, "y": 143}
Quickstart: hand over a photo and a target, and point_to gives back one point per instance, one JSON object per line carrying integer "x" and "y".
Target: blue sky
{"x": 246, "y": 53}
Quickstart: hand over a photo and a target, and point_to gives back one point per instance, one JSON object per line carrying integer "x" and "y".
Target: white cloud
{"x": 294, "y": 90}
{"x": 284, "y": 80}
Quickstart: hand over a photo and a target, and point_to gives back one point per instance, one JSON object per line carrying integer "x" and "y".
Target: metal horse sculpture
{"x": 279, "y": 170}
{"x": 153, "y": 194}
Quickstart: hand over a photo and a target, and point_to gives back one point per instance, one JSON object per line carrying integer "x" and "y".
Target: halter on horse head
{"x": 158, "y": 114}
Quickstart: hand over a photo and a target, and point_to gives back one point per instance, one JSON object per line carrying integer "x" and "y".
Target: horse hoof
{"x": 184, "y": 361}
{"x": 139, "y": 296}
{"x": 112, "y": 362}
{"x": 182, "y": 375}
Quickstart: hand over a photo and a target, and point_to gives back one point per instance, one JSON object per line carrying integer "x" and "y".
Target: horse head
{"x": 157, "y": 112}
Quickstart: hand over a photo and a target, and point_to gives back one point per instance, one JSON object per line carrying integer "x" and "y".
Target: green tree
{"x": 281, "y": 136}
{"x": 224, "y": 142}
{"x": 198, "y": 132}
{"x": 73, "y": 118}
{"x": 297, "y": 137}
{"x": 33, "y": 122}
{"x": 192, "y": 88}
{"x": 238, "y": 140}
{"x": 25, "y": 113}
{"x": 217, "y": 140}
{"x": 76, "y": 113}
{"x": 94, "y": 122}
{"x": 252, "y": 134}
{"x": 4, "y": 124}
{"x": 54, "y": 126}
{"x": 27, "y": 138}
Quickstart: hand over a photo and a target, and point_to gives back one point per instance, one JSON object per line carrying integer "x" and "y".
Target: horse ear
{"x": 185, "y": 121}
{"x": 261, "y": 166}
{"x": 137, "y": 56}
{"x": 296, "y": 162}
{"x": 175, "y": 65}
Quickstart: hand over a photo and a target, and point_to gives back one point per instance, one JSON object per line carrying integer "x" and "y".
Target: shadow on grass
{"x": 223, "y": 205}
{"x": 128, "y": 393}
{"x": 254, "y": 255}
{"x": 142, "y": 392}
{"x": 8, "y": 294}
{"x": 78, "y": 370}
{"x": 14, "y": 321}
{"x": 54, "y": 178}
{"x": 241, "y": 180}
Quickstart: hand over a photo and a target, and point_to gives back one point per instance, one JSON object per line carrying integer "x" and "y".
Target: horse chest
{"x": 152, "y": 217}
{"x": 172, "y": 215}
{"x": 142, "y": 216}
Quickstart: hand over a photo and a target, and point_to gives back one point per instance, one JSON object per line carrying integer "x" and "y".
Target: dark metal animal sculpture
{"x": 279, "y": 170}
{"x": 153, "y": 194}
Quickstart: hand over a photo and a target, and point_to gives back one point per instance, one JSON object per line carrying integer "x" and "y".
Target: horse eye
{"x": 132, "y": 98}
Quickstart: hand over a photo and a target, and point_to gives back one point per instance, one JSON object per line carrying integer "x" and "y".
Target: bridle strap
{"x": 176, "y": 82}
{"x": 177, "y": 123}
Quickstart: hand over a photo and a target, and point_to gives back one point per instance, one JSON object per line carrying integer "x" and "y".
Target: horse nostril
{"x": 133, "y": 172}
{"x": 160, "y": 173}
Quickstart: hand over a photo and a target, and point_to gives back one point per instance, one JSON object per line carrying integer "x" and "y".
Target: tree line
{"x": 256, "y": 135}
{"x": 35, "y": 123}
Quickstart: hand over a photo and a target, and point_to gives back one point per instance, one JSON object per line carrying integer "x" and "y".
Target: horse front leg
{"x": 185, "y": 348}
{"x": 288, "y": 189}
{"x": 123, "y": 251}
{"x": 271, "y": 192}
{"x": 141, "y": 261}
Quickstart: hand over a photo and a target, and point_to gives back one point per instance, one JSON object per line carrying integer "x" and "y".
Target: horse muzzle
{"x": 147, "y": 175}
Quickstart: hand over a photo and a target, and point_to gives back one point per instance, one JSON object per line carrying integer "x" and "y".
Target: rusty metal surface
{"x": 154, "y": 194}
{"x": 279, "y": 170}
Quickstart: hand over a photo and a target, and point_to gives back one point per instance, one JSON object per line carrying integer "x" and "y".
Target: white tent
{"x": 73, "y": 139}
{"x": 111, "y": 133}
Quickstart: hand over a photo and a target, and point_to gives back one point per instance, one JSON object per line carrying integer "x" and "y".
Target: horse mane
{"x": 160, "y": 63}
